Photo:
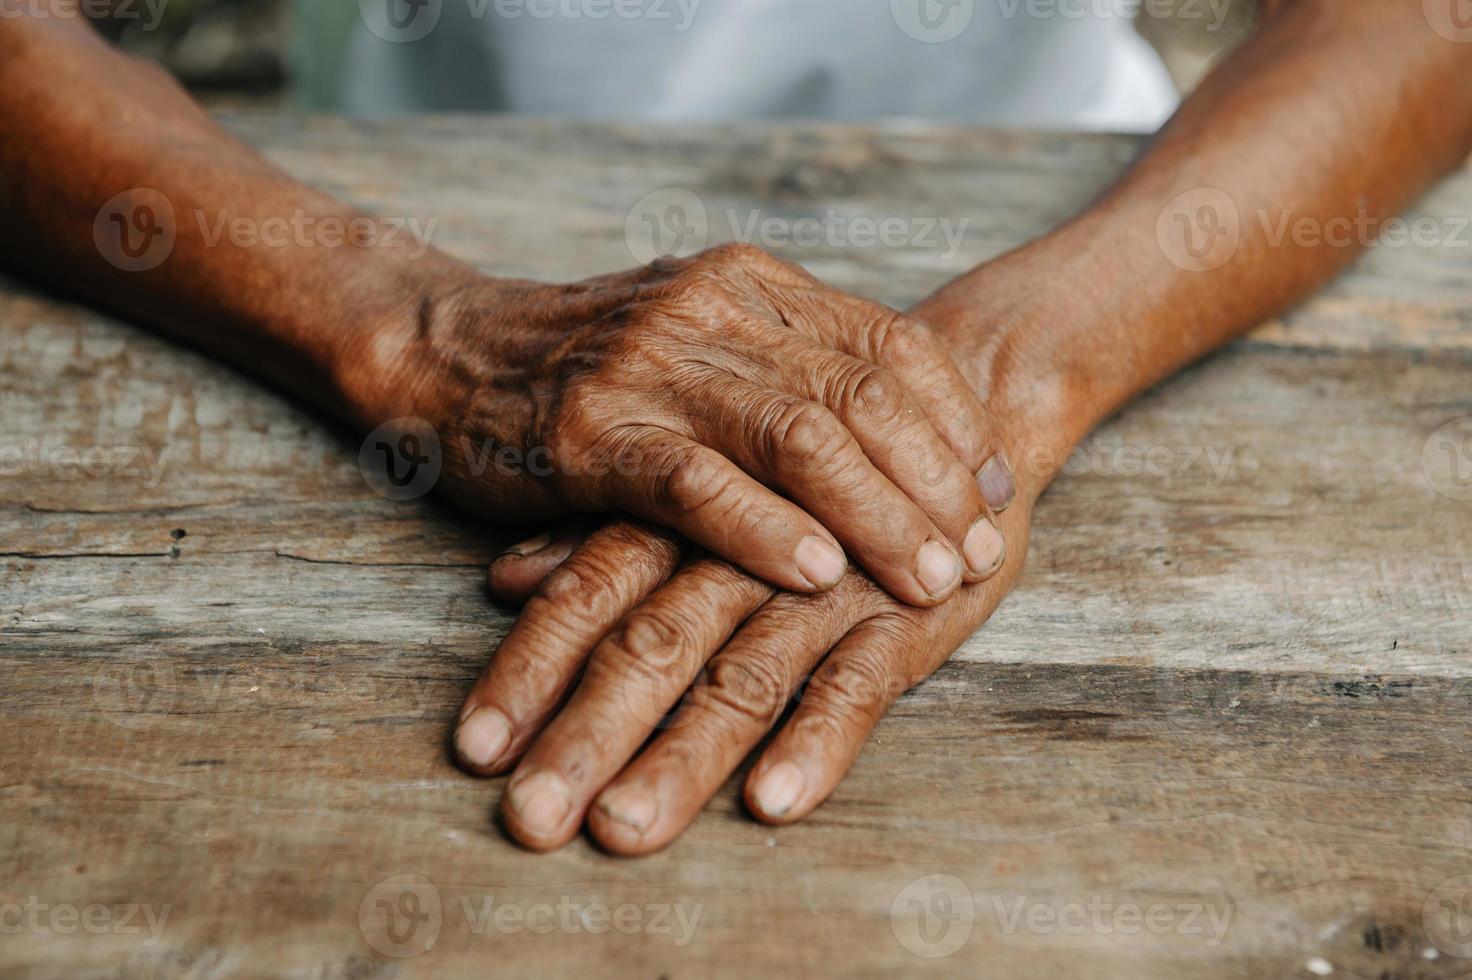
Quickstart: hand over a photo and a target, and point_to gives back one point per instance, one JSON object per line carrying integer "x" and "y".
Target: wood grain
{"x": 1232, "y": 692}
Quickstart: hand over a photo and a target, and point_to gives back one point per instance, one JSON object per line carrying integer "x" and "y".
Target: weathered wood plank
{"x": 1267, "y": 509}
{"x": 1233, "y": 682}
{"x": 261, "y": 794}
{"x": 549, "y": 200}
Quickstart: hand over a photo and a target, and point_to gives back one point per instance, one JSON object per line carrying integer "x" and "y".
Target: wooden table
{"x": 1220, "y": 729}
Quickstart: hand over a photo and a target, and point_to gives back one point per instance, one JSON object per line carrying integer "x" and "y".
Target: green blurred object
{"x": 321, "y": 33}
{"x": 229, "y": 46}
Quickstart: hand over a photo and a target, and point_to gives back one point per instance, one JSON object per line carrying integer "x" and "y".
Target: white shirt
{"x": 1035, "y": 63}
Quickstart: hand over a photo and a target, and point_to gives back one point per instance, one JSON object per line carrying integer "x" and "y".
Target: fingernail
{"x": 997, "y": 484}
{"x": 529, "y": 547}
{"x": 984, "y": 548}
{"x": 820, "y": 562}
{"x": 541, "y": 801}
{"x": 629, "y": 806}
{"x": 482, "y": 737}
{"x": 937, "y": 568}
{"x": 778, "y": 790}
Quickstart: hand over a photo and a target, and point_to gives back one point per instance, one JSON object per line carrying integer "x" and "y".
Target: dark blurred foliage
{"x": 222, "y": 46}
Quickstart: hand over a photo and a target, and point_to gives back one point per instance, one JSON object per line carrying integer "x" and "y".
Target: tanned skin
{"x": 694, "y": 393}
{"x": 1334, "y": 110}
{"x": 1338, "y": 112}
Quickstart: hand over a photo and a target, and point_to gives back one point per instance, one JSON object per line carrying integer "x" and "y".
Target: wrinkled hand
{"x": 731, "y": 397}
{"x": 639, "y": 634}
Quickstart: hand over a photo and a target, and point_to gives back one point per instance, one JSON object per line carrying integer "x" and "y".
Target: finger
{"x": 750, "y": 682}
{"x": 632, "y": 679}
{"x": 918, "y": 358}
{"x": 802, "y": 449}
{"x": 858, "y": 682}
{"x": 902, "y": 444}
{"x": 693, "y": 489}
{"x": 743, "y": 692}
{"x": 906, "y": 346}
{"x": 515, "y": 573}
{"x": 539, "y": 659}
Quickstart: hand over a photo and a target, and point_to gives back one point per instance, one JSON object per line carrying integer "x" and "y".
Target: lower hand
{"x": 648, "y": 634}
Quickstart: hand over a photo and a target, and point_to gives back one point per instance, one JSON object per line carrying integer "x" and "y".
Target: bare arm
{"x": 1334, "y": 108}
{"x": 84, "y": 124}
{"x": 1336, "y": 114}
{"x": 731, "y": 396}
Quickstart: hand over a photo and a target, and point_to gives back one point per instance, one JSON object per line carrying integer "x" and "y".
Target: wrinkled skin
{"x": 779, "y": 423}
{"x": 728, "y": 382}
{"x": 1055, "y": 337}
{"x": 732, "y": 397}
{"x": 642, "y": 630}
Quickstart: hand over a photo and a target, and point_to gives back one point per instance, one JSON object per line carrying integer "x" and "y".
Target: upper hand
{"x": 769, "y": 419}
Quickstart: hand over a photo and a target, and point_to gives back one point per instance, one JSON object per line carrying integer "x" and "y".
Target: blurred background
{"x": 263, "y": 52}
{"x": 225, "y": 50}
{"x": 293, "y": 52}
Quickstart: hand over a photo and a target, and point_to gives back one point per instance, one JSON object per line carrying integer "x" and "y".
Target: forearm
{"x": 1335, "y": 116}
{"x": 278, "y": 278}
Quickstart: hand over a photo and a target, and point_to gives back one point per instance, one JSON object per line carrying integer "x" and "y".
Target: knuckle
{"x": 648, "y": 343}
{"x": 693, "y": 480}
{"x": 695, "y": 303}
{"x": 738, "y": 253}
{"x": 747, "y": 259}
{"x": 904, "y": 341}
{"x": 650, "y": 644}
{"x": 600, "y": 572}
{"x": 858, "y": 685}
{"x": 569, "y": 584}
{"x": 809, "y": 433}
{"x": 890, "y": 631}
{"x": 750, "y": 691}
{"x": 651, "y": 633}
{"x": 570, "y": 596}
{"x": 696, "y": 287}
{"x": 568, "y": 600}
{"x": 876, "y": 393}
{"x": 636, "y": 542}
